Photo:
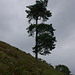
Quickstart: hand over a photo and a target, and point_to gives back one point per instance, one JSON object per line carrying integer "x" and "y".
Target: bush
{"x": 63, "y": 68}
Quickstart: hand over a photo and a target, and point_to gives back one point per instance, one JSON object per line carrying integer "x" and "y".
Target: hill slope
{"x": 16, "y": 62}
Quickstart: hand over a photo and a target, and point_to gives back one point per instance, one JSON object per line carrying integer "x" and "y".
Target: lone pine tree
{"x": 44, "y": 33}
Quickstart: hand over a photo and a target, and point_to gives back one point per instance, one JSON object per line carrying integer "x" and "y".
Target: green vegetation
{"x": 63, "y": 68}
{"x": 16, "y": 62}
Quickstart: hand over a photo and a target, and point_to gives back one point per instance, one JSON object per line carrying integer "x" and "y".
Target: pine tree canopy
{"x": 44, "y": 33}
{"x": 38, "y": 11}
{"x": 45, "y": 37}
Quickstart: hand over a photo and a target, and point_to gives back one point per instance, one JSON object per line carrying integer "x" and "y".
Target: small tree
{"x": 44, "y": 32}
{"x": 63, "y": 68}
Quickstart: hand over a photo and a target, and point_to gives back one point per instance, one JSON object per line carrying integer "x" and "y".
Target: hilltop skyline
{"x": 13, "y": 24}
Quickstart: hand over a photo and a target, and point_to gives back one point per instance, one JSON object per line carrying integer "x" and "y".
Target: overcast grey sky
{"x": 13, "y": 24}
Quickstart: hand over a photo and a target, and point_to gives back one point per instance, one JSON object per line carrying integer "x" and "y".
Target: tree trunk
{"x": 36, "y": 50}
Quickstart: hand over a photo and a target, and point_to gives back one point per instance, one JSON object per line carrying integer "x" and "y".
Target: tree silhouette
{"x": 44, "y": 32}
{"x": 63, "y": 68}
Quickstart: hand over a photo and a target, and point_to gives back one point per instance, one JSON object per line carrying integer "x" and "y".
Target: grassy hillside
{"x": 16, "y": 62}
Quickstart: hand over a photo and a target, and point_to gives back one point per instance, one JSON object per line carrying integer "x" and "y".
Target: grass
{"x": 16, "y": 62}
